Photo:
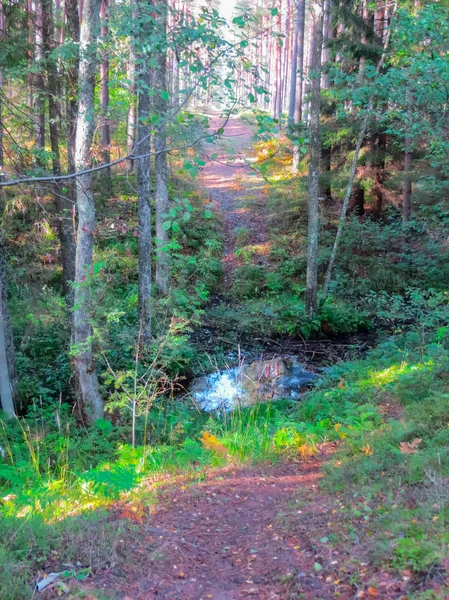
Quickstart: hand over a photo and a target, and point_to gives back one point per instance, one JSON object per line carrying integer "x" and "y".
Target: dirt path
{"x": 236, "y": 190}
{"x": 224, "y": 539}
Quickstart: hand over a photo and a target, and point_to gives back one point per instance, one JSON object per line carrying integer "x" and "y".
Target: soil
{"x": 257, "y": 532}
{"x": 224, "y": 538}
{"x": 236, "y": 190}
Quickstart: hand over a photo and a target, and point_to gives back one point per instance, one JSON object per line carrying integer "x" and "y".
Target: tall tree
{"x": 408, "y": 160}
{"x": 143, "y": 84}
{"x": 83, "y": 356}
{"x": 63, "y": 203}
{"x": 39, "y": 96}
{"x": 2, "y": 83}
{"x": 160, "y": 143}
{"x": 131, "y": 118}
{"x": 315, "y": 157}
{"x": 298, "y": 83}
{"x": 104, "y": 94}
{"x": 8, "y": 377}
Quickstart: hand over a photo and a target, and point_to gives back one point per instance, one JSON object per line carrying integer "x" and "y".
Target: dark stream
{"x": 274, "y": 370}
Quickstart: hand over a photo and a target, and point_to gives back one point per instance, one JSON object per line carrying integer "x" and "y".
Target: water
{"x": 260, "y": 381}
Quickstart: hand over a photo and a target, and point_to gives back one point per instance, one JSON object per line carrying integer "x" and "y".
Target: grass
{"x": 388, "y": 413}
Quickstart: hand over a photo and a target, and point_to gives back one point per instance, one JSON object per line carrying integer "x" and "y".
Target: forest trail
{"x": 236, "y": 190}
{"x": 229, "y": 536}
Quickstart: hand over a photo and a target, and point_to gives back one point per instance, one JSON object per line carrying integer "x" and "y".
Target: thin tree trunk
{"x": 315, "y": 157}
{"x": 299, "y": 78}
{"x": 84, "y": 363}
{"x": 160, "y": 143}
{"x": 131, "y": 122}
{"x": 2, "y": 83}
{"x": 39, "y": 100}
{"x": 143, "y": 177}
{"x": 294, "y": 67}
{"x": 62, "y": 202}
{"x": 408, "y": 160}
{"x": 104, "y": 96}
{"x": 8, "y": 376}
{"x": 73, "y": 31}
{"x": 344, "y": 208}
{"x": 328, "y": 35}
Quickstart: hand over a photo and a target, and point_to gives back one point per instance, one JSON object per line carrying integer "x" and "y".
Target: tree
{"x": 63, "y": 203}
{"x": 87, "y": 381}
{"x": 143, "y": 84}
{"x": 408, "y": 160}
{"x": 315, "y": 157}
{"x": 8, "y": 376}
{"x": 297, "y": 83}
{"x": 104, "y": 94}
{"x": 160, "y": 142}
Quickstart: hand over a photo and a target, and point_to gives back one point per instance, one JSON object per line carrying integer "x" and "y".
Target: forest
{"x": 224, "y": 299}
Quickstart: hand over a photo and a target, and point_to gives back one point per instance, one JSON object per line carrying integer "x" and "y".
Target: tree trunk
{"x": 315, "y": 157}
{"x": 87, "y": 380}
{"x": 131, "y": 122}
{"x": 104, "y": 97}
{"x": 344, "y": 208}
{"x": 160, "y": 143}
{"x": 328, "y": 35}
{"x": 62, "y": 202}
{"x": 408, "y": 160}
{"x": 2, "y": 83}
{"x": 299, "y": 78}
{"x": 294, "y": 67}
{"x": 73, "y": 33}
{"x": 326, "y": 161}
{"x": 8, "y": 376}
{"x": 39, "y": 100}
{"x": 143, "y": 175}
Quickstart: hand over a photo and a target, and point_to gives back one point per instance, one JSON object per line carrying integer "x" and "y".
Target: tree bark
{"x": 2, "y": 83}
{"x": 299, "y": 78}
{"x": 408, "y": 160}
{"x": 63, "y": 203}
{"x": 160, "y": 143}
{"x": 294, "y": 67}
{"x": 315, "y": 157}
{"x": 104, "y": 96}
{"x": 143, "y": 175}
{"x": 328, "y": 35}
{"x": 8, "y": 376}
{"x": 131, "y": 121}
{"x": 39, "y": 100}
{"x": 87, "y": 380}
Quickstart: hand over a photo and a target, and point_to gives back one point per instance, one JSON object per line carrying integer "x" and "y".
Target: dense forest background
{"x": 132, "y": 263}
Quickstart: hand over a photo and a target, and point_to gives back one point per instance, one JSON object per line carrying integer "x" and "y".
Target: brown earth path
{"x": 230, "y": 182}
{"x": 237, "y": 533}
{"x": 224, "y": 538}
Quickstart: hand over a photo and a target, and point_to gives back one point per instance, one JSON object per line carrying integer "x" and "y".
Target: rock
{"x": 261, "y": 381}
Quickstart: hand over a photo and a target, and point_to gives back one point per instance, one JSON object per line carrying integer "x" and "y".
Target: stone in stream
{"x": 260, "y": 381}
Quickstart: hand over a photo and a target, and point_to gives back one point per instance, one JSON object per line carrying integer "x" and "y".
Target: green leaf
{"x": 186, "y": 216}
{"x": 274, "y": 12}
{"x": 166, "y": 225}
{"x": 208, "y": 214}
{"x": 251, "y": 97}
{"x": 172, "y": 212}
{"x": 318, "y": 567}
{"x": 175, "y": 227}
{"x": 165, "y": 95}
